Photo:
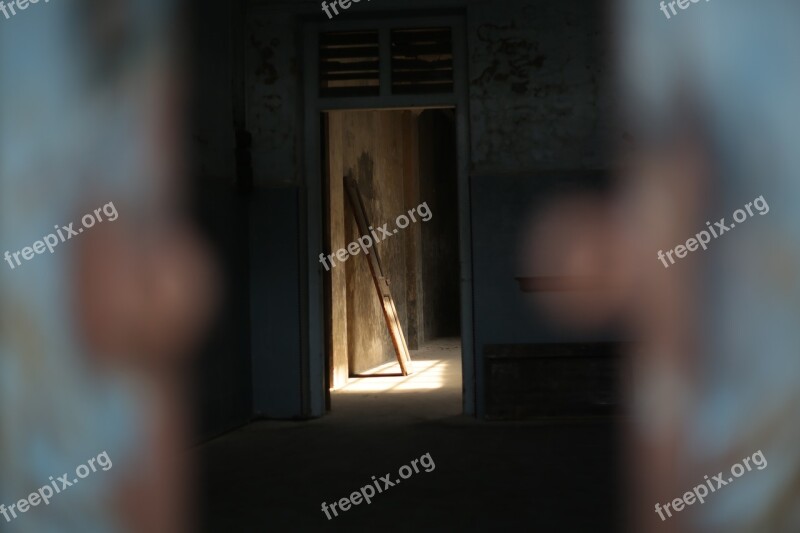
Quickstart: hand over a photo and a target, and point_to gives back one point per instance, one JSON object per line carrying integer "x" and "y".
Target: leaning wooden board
{"x": 381, "y": 281}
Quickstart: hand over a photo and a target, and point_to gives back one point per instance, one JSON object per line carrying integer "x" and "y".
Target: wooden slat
{"x": 416, "y": 50}
{"x": 422, "y": 76}
{"x": 353, "y": 76}
{"x": 355, "y": 52}
{"x": 356, "y": 66}
{"x": 380, "y": 280}
{"x": 348, "y": 38}
{"x": 421, "y": 64}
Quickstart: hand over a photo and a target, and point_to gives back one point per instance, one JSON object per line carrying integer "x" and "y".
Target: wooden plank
{"x": 380, "y": 280}
{"x": 353, "y": 66}
{"x": 350, "y": 76}
{"x": 348, "y": 38}
{"x": 421, "y": 64}
{"x": 416, "y": 50}
{"x": 422, "y": 76}
{"x": 350, "y": 52}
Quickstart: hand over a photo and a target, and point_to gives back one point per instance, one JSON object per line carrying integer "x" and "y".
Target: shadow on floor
{"x": 489, "y": 476}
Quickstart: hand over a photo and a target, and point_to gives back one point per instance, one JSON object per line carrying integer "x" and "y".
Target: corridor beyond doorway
{"x": 398, "y": 160}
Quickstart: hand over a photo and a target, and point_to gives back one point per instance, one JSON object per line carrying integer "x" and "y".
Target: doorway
{"x": 405, "y": 165}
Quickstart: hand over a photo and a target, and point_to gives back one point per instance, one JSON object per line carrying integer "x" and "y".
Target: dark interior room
{"x": 399, "y": 265}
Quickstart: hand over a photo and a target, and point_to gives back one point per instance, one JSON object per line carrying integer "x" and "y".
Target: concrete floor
{"x": 489, "y": 476}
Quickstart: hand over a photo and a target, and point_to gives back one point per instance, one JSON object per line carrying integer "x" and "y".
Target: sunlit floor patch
{"x": 436, "y": 365}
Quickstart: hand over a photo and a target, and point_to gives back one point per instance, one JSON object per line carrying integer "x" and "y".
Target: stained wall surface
{"x": 371, "y": 144}
{"x": 539, "y": 105}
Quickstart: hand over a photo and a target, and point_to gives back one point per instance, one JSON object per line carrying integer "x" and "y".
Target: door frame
{"x": 312, "y": 226}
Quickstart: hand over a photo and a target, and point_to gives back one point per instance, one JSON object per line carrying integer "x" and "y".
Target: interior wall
{"x": 439, "y": 190}
{"x": 539, "y": 105}
{"x": 371, "y": 151}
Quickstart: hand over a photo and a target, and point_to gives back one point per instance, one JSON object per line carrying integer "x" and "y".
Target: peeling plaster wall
{"x": 540, "y": 115}
{"x": 538, "y": 105}
{"x": 273, "y": 93}
{"x": 537, "y": 73}
{"x": 537, "y": 86}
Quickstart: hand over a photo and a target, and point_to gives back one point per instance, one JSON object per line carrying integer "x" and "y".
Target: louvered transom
{"x": 349, "y": 63}
{"x": 422, "y": 61}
